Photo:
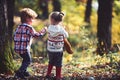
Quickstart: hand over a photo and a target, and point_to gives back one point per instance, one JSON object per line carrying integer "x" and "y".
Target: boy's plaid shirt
{"x": 23, "y": 37}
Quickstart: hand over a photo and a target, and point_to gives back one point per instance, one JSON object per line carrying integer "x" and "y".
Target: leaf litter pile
{"x": 76, "y": 71}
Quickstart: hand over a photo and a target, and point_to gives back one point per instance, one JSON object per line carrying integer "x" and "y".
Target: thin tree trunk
{"x": 6, "y": 63}
{"x": 56, "y": 5}
{"x": 88, "y": 11}
{"x": 104, "y": 26}
{"x": 44, "y": 8}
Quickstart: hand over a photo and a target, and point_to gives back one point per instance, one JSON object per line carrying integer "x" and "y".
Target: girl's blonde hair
{"x": 27, "y": 13}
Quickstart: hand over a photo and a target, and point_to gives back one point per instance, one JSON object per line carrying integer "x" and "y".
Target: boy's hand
{"x": 43, "y": 31}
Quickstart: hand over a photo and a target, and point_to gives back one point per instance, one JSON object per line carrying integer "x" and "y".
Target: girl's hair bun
{"x": 61, "y": 14}
{"x": 57, "y": 16}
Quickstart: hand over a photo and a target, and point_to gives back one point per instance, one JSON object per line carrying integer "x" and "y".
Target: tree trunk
{"x": 6, "y": 60}
{"x": 88, "y": 11}
{"x": 44, "y": 8}
{"x": 56, "y": 5}
{"x": 10, "y": 6}
{"x": 104, "y": 26}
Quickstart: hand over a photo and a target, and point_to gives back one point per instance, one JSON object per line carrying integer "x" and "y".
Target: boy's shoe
{"x": 47, "y": 77}
{"x": 26, "y": 74}
{"x": 55, "y": 78}
{"x": 19, "y": 74}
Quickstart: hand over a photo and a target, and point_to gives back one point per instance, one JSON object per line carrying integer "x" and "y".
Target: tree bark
{"x": 44, "y": 8}
{"x": 6, "y": 60}
{"x": 10, "y": 13}
{"x": 88, "y": 11}
{"x": 104, "y": 26}
{"x": 56, "y": 5}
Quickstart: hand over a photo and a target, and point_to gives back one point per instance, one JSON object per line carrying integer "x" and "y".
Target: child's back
{"x": 56, "y": 34}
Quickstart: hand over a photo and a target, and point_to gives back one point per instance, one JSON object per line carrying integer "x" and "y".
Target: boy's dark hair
{"x": 57, "y": 16}
{"x": 27, "y": 13}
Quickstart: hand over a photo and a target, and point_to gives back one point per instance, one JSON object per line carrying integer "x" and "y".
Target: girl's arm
{"x": 67, "y": 46}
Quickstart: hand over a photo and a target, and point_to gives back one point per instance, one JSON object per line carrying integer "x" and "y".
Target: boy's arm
{"x": 38, "y": 34}
{"x": 43, "y": 31}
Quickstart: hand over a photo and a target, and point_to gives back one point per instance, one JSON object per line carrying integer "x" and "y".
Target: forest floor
{"x": 108, "y": 71}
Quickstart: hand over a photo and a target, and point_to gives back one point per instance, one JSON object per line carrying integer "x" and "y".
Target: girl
{"x": 55, "y": 43}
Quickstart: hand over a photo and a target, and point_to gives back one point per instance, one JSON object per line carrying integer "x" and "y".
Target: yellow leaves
{"x": 74, "y": 17}
{"x": 73, "y": 22}
{"x": 114, "y": 14}
{"x": 80, "y": 8}
{"x": 116, "y": 31}
{"x": 67, "y": 58}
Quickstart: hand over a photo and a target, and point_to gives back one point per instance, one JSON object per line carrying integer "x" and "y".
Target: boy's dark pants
{"x": 26, "y": 61}
{"x": 22, "y": 72}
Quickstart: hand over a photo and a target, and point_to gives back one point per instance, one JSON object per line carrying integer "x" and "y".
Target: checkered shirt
{"x": 23, "y": 37}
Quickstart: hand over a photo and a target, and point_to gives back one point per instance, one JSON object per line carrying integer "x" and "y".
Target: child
{"x": 23, "y": 38}
{"x": 55, "y": 44}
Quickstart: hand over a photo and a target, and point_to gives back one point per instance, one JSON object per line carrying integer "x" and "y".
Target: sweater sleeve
{"x": 65, "y": 33}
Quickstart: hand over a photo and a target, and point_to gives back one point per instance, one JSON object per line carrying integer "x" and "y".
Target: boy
{"x": 23, "y": 38}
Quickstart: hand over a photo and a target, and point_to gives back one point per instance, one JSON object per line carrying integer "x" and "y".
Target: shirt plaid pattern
{"x": 23, "y": 37}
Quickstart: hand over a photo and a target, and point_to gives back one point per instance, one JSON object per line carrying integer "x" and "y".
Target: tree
{"x": 88, "y": 11}
{"x": 43, "y": 4}
{"x": 6, "y": 19}
{"x": 10, "y": 14}
{"x": 56, "y": 5}
{"x": 104, "y": 26}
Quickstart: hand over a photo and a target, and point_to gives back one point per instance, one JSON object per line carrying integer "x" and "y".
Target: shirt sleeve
{"x": 37, "y": 34}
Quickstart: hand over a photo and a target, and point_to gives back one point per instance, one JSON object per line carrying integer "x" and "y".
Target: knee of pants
{"x": 28, "y": 61}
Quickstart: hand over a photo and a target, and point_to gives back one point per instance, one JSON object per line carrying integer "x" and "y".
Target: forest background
{"x": 82, "y": 36}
